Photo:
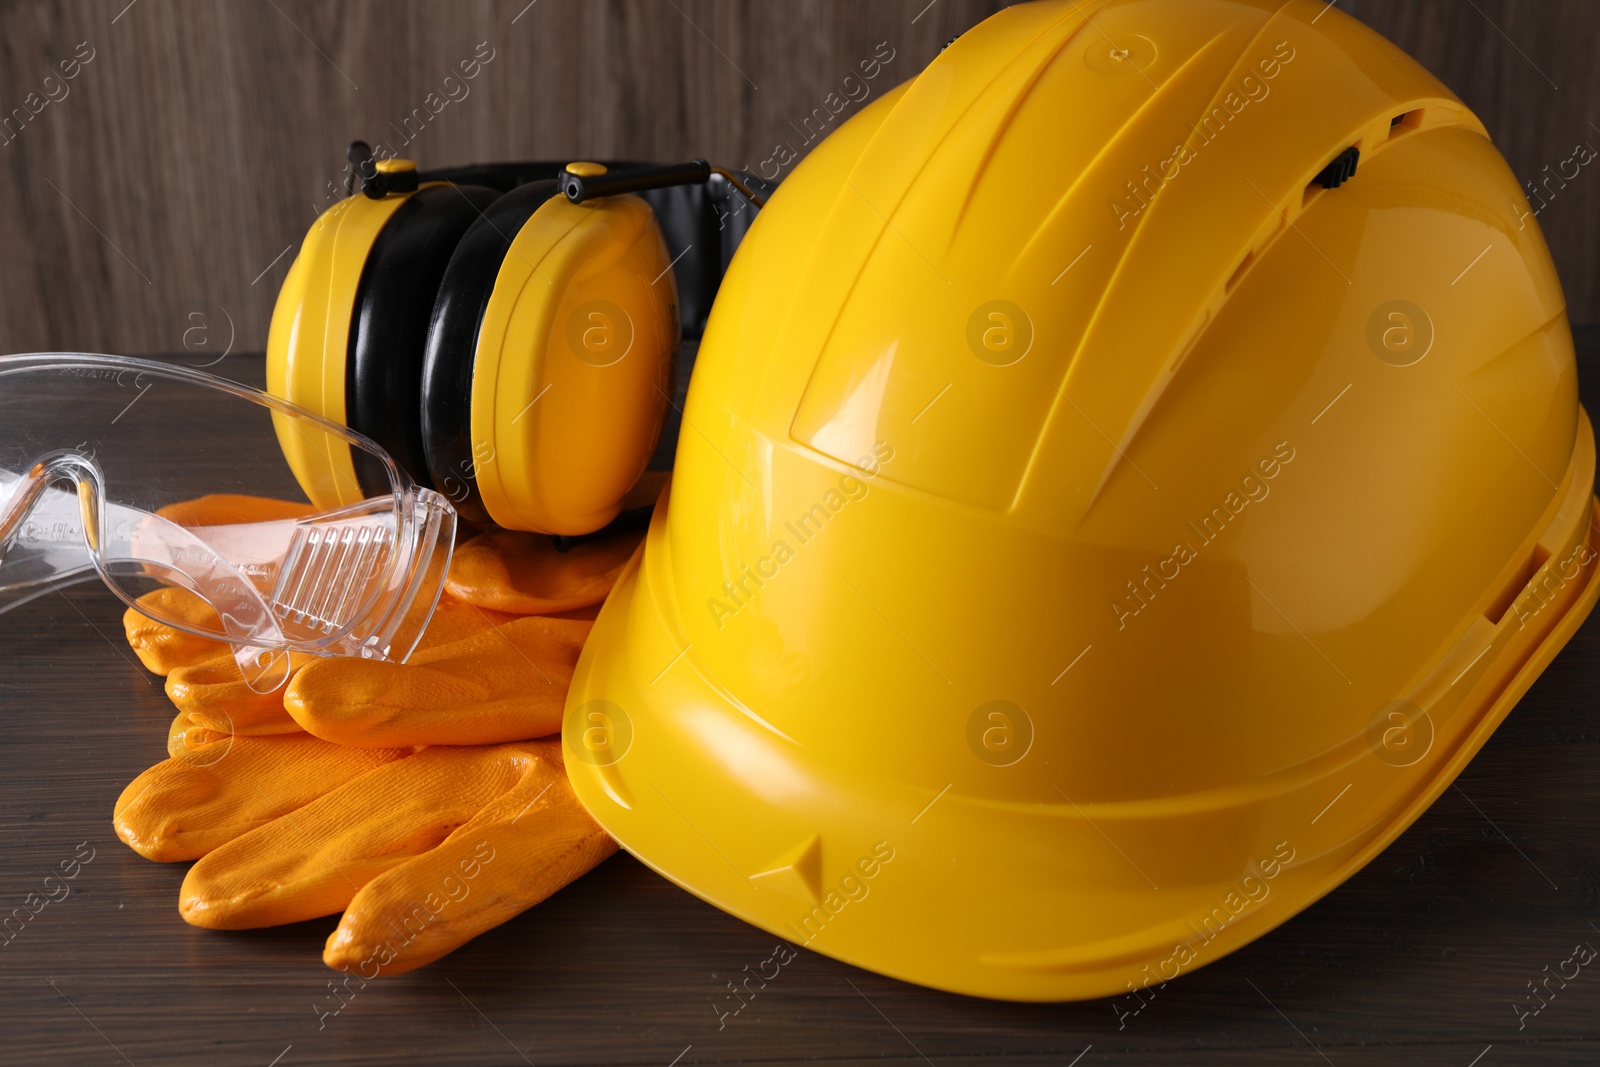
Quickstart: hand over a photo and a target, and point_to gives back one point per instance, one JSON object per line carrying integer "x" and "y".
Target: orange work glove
{"x": 422, "y": 852}
{"x": 320, "y": 802}
{"x": 493, "y": 664}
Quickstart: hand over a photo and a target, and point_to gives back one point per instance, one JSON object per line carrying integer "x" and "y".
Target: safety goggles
{"x": 118, "y": 468}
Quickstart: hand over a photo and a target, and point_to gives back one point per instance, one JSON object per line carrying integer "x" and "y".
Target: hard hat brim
{"x": 990, "y": 899}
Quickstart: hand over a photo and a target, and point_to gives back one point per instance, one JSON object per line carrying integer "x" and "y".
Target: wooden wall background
{"x": 156, "y": 203}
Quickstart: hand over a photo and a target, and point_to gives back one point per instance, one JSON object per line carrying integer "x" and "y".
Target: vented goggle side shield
{"x": 130, "y": 493}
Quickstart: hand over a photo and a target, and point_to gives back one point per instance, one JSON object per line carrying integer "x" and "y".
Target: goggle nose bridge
{"x": 60, "y": 465}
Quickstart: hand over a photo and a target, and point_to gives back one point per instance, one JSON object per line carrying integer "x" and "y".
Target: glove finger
{"x": 500, "y": 685}
{"x": 214, "y": 695}
{"x": 523, "y": 573}
{"x": 162, "y": 648}
{"x": 454, "y": 619}
{"x": 213, "y": 792}
{"x": 522, "y": 847}
{"x": 210, "y": 689}
{"x": 223, "y": 509}
{"x": 186, "y": 735}
{"x": 314, "y": 860}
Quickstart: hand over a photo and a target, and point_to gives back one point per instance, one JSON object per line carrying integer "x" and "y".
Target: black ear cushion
{"x": 389, "y": 327}
{"x": 463, "y": 297}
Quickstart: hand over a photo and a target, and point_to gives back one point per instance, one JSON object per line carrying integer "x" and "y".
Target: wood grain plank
{"x": 203, "y": 137}
{"x": 199, "y": 142}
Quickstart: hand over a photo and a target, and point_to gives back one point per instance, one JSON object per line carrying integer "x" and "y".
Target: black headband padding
{"x": 452, "y": 343}
{"x": 702, "y": 224}
{"x": 689, "y": 225}
{"x": 389, "y": 325}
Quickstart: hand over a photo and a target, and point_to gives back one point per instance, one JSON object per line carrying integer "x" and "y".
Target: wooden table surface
{"x": 1418, "y": 959}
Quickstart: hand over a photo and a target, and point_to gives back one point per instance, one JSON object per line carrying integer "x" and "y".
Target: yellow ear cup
{"x": 310, "y": 335}
{"x": 573, "y": 367}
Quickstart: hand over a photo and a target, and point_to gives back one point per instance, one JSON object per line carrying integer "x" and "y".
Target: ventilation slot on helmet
{"x": 1496, "y": 611}
{"x": 1238, "y": 272}
{"x": 1281, "y": 223}
{"x": 1404, "y": 122}
{"x": 1341, "y": 170}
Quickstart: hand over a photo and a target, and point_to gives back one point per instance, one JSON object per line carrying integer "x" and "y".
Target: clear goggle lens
{"x": 352, "y": 565}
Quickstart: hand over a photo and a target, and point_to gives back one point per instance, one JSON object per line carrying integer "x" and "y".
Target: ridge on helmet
{"x": 1137, "y": 464}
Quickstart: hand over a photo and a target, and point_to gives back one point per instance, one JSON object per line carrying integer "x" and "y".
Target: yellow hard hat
{"x": 1130, "y": 469}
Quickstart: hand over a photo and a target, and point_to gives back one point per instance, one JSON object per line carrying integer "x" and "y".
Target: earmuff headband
{"x": 382, "y": 326}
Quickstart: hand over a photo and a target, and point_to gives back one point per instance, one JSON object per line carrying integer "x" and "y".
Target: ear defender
{"x": 314, "y": 324}
{"x": 512, "y": 350}
{"x": 549, "y": 363}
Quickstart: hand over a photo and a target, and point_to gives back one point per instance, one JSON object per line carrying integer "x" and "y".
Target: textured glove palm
{"x": 319, "y": 800}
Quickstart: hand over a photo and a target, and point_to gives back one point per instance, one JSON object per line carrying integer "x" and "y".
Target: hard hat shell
{"x": 1131, "y": 468}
